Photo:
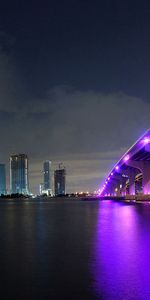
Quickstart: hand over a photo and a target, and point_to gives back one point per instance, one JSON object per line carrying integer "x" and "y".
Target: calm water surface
{"x": 71, "y": 249}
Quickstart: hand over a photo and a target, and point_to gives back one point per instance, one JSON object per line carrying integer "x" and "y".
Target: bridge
{"x": 131, "y": 175}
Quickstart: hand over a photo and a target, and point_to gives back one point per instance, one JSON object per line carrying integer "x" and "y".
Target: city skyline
{"x": 74, "y": 83}
{"x": 75, "y": 149}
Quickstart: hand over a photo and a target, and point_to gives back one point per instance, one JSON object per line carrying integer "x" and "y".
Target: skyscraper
{"x": 47, "y": 175}
{"x": 19, "y": 174}
{"x": 2, "y": 179}
{"x": 60, "y": 181}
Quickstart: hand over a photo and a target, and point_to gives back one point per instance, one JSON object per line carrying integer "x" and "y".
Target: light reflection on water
{"x": 120, "y": 261}
{"x": 74, "y": 250}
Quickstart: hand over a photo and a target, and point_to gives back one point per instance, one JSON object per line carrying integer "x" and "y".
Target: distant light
{"x": 117, "y": 168}
{"x": 126, "y": 158}
{"x": 108, "y": 178}
{"x": 112, "y": 174}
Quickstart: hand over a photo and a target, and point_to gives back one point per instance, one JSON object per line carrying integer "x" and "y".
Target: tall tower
{"x": 2, "y": 179}
{"x": 47, "y": 175}
{"x": 60, "y": 181}
{"x": 19, "y": 174}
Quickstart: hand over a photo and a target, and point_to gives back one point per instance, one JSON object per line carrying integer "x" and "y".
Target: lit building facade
{"x": 60, "y": 181}
{"x": 47, "y": 185}
{"x": 41, "y": 188}
{"x": 2, "y": 179}
{"x": 19, "y": 174}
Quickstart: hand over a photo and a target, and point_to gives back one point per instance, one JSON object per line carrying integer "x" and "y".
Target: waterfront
{"x": 73, "y": 249}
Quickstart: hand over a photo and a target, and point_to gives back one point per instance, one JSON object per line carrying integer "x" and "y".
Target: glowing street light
{"x": 146, "y": 140}
{"x": 126, "y": 158}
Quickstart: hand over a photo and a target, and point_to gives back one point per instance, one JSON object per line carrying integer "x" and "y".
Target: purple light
{"x": 117, "y": 168}
{"x": 146, "y": 140}
{"x": 126, "y": 158}
{"x": 108, "y": 178}
{"x": 112, "y": 174}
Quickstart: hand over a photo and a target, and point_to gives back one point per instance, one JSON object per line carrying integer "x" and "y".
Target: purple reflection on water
{"x": 120, "y": 262}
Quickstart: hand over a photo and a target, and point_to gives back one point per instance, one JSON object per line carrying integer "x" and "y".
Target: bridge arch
{"x": 135, "y": 161}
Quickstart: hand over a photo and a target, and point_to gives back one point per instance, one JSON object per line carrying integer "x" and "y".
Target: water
{"x": 71, "y": 249}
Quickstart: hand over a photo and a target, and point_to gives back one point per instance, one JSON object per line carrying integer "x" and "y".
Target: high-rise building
{"x": 60, "y": 181}
{"x": 2, "y": 179}
{"x": 47, "y": 175}
{"x": 19, "y": 174}
{"x": 47, "y": 185}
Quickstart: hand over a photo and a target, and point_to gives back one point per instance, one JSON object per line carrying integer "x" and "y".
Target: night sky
{"x": 74, "y": 84}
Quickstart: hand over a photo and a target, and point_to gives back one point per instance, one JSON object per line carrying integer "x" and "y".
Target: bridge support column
{"x": 112, "y": 189}
{"x": 131, "y": 176}
{"x": 144, "y": 167}
{"x": 123, "y": 189}
{"x": 116, "y": 183}
{"x": 131, "y": 173}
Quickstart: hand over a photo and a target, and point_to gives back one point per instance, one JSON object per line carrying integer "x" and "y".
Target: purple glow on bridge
{"x": 136, "y": 159}
{"x": 146, "y": 140}
{"x": 126, "y": 158}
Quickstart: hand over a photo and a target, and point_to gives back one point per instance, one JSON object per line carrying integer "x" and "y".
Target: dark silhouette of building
{"x": 2, "y": 179}
{"x": 47, "y": 175}
{"x": 19, "y": 174}
{"x": 60, "y": 181}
